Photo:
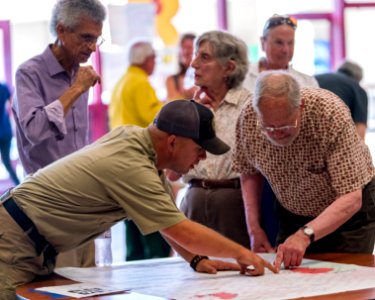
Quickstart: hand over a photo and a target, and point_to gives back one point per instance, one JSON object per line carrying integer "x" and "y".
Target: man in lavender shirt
{"x": 51, "y": 98}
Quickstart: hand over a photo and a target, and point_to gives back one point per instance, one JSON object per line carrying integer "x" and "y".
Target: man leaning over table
{"x": 73, "y": 200}
{"x": 304, "y": 142}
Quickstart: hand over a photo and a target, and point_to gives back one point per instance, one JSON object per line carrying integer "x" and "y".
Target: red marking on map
{"x": 311, "y": 270}
{"x": 220, "y": 295}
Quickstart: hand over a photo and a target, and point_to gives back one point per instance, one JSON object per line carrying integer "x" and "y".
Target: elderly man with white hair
{"x": 134, "y": 102}
{"x": 303, "y": 140}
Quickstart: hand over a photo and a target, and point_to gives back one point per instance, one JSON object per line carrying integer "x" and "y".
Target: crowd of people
{"x": 273, "y": 162}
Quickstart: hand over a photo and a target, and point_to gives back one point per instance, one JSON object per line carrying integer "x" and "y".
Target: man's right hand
{"x": 86, "y": 77}
{"x": 260, "y": 243}
{"x": 254, "y": 265}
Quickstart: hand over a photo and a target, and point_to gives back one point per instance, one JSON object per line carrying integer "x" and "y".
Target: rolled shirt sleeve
{"x": 44, "y": 133}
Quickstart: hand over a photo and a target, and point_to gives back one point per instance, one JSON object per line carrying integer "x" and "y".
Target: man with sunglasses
{"x": 277, "y": 42}
{"x": 304, "y": 142}
{"x": 51, "y": 96}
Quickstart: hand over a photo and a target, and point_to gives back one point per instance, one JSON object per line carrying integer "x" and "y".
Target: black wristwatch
{"x": 196, "y": 260}
{"x": 309, "y": 232}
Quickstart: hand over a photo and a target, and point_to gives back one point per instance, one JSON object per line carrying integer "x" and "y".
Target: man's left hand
{"x": 291, "y": 252}
{"x": 213, "y": 266}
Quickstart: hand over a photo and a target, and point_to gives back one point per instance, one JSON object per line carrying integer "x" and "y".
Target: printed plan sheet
{"x": 174, "y": 279}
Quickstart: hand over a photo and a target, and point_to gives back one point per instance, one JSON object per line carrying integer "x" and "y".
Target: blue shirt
{"x": 349, "y": 90}
{"x": 5, "y": 128}
{"x": 44, "y": 134}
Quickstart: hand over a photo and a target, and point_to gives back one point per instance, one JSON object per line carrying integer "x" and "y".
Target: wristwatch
{"x": 308, "y": 231}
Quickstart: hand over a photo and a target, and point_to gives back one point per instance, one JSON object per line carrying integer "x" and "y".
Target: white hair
{"x": 139, "y": 51}
{"x": 276, "y": 83}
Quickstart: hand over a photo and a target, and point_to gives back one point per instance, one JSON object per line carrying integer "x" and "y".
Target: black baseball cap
{"x": 190, "y": 119}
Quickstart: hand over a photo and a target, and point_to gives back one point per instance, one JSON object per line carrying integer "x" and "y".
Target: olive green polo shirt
{"x": 81, "y": 195}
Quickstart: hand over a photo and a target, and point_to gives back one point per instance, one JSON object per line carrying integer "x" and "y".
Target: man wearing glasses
{"x": 277, "y": 42}
{"x": 305, "y": 143}
{"x": 51, "y": 97}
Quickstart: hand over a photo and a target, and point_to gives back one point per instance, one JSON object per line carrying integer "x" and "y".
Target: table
{"x": 360, "y": 259}
{"x": 25, "y": 292}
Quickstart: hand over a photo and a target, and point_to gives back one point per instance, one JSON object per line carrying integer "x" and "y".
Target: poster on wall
{"x": 131, "y": 21}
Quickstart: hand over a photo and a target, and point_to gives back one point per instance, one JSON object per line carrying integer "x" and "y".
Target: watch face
{"x": 308, "y": 231}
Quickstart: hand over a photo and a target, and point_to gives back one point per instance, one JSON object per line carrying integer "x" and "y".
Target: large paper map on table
{"x": 173, "y": 278}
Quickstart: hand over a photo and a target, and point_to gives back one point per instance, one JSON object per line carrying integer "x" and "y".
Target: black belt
{"x": 41, "y": 245}
{"x": 234, "y": 183}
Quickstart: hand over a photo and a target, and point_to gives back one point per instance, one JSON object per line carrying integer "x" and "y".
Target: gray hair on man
{"x": 276, "y": 83}
{"x": 227, "y": 47}
{"x": 351, "y": 69}
{"x": 70, "y": 12}
{"x": 139, "y": 51}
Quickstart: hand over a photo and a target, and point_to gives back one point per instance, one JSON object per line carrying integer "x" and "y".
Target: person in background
{"x": 304, "y": 142}
{"x": 134, "y": 102}
{"x": 345, "y": 83}
{"x": 213, "y": 197}
{"x": 51, "y": 97}
{"x": 6, "y": 133}
{"x": 133, "y": 99}
{"x": 175, "y": 83}
{"x": 277, "y": 41}
{"x": 120, "y": 176}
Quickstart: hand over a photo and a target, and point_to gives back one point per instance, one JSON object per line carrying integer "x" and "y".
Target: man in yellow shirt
{"x": 134, "y": 102}
{"x": 133, "y": 99}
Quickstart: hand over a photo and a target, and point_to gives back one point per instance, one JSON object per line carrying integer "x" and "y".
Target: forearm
{"x": 251, "y": 186}
{"x": 70, "y": 96}
{"x": 361, "y": 129}
{"x": 185, "y": 254}
{"x": 86, "y": 77}
{"x": 198, "y": 239}
{"x": 340, "y": 211}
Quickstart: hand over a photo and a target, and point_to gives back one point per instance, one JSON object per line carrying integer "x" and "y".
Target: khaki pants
{"x": 82, "y": 257}
{"x": 19, "y": 262}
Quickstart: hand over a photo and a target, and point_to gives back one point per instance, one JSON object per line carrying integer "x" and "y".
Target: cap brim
{"x": 215, "y": 146}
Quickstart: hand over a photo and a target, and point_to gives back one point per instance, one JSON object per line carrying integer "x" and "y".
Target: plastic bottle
{"x": 103, "y": 250}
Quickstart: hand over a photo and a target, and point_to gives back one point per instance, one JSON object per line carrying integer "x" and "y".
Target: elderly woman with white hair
{"x": 214, "y": 194}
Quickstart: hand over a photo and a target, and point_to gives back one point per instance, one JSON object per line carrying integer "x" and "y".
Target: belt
{"x": 41, "y": 245}
{"x": 234, "y": 183}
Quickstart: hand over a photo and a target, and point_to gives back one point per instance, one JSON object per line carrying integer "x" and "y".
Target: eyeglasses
{"x": 281, "y": 129}
{"x": 91, "y": 40}
{"x": 277, "y": 20}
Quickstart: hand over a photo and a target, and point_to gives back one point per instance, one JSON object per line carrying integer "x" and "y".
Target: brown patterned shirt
{"x": 327, "y": 159}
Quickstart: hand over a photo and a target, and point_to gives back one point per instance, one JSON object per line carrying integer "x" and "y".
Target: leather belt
{"x": 234, "y": 183}
{"x": 41, "y": 245}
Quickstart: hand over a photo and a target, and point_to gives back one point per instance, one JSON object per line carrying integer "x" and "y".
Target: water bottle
{"x": 103, "y": 250}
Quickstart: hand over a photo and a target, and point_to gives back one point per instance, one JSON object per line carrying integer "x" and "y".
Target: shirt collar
{"x": 53, "y": 65}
